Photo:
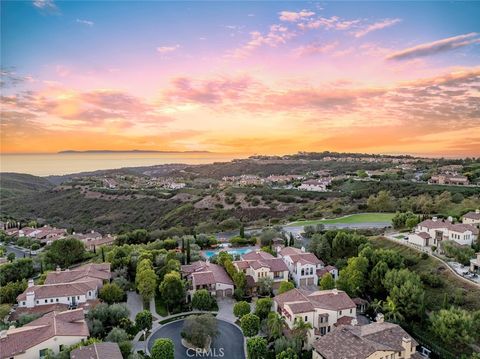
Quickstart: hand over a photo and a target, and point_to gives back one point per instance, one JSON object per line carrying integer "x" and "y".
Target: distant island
{"x": 128, "y": 151}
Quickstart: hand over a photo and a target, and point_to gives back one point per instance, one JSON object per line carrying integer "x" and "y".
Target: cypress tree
{"x": 188, "y": 251}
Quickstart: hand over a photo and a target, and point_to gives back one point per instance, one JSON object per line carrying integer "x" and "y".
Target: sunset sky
{"x": 241, "y": 77}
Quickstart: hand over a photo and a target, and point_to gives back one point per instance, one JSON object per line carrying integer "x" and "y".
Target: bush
{"x": 256, "y": 348}
{"x": 285, "y": 287}
{"x": 112, "y": 293}
{"x": 202, "y": 300}
{"x": 263, "y": 307}
{"x": 163, "y": 348}
{"x": 143, "y": 320}
{"x": 250, "y": 324}
{"x": 240, "y": 309}
{"x": 199, "y": 329}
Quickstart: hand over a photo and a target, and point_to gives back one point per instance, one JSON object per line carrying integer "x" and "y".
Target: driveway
{"x": 229, "y": 341}
{"x": 134, "y": 304}
{"x": 225, "y": 309}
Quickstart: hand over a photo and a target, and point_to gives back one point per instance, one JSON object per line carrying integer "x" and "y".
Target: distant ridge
{"x": 130, "y": 151}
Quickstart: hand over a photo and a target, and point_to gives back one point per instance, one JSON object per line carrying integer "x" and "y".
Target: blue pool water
{"x": 240, "y": 251}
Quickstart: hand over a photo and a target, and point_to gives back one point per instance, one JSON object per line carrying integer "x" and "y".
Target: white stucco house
{"x": 303, "y": 266}
{"x": 432, "y": 231}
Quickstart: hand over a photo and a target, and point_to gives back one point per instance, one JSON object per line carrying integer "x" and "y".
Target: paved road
{"x": 19, "y": 253}
{"x": 134, "y": 304}
{"x": 229, "y": 341}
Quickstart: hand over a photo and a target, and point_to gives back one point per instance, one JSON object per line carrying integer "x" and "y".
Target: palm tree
{"x": 301, "y": 330}
{"x": 392, "y": 313}
{"x": 275, "y": 324}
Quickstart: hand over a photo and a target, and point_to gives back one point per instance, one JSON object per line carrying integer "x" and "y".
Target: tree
{"x": 289, "y": 353}
{"x": 144, "y": 319}
{"x": 291, "y": 241}
{"x": 202, "y": 300}
{"x": 250, "y": 324}
{"x": 163, "y": 348}
{"x": 11, "y": 256}
{"x": 382, "y": 202}
{"x": 301, "y": 330}
{"x": 265, "y": 286}
{"x": 10, "y": 291}
{"x": 116, "y": 335}
{"x": 256, "y": 348}
{"x": 16, "y": 271}
{"x": 240, "y": 309}
{"x": 320, "y": 246}
{"x": 189, "y": 257}
{"x": 111, "y": 293}
{"x": 242, "y": 231}
{"x": 263, "y": 307}
{"x": 65, "y": 252}
{"x": 172, "y": 289}
{"x": 352, "y": 277}
{"x": 455, "y": 327}
{"x": 199, "y": 330}
{"x": 327, "y": 282}
{"x": 285, "y": 287}
{"x": 275, "y": 325}
{"x": 146, "y": 282}
{"x": 377, "y": 275}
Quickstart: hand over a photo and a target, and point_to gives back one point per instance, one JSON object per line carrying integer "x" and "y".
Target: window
{"x": 56, "y": 300}
{"x": 340, "y": 313}
{"x": 23, "y": 303}
{"x": 78, "y": 297}
{"x": 351, "y": 310}
{"x": 38, "y": 302}
{"x": 43, "y": 353}
{"x": 306, "y": 318}
{"x": 46, "y": 300}
{"x": 303, "y": 272}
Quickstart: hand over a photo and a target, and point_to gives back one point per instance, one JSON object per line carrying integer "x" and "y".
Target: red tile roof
{"x": 324, "y": 299}
{"x": 99, "y": 271}
{"x": 59, "y": 290}
{"x": 67, "y": 323}
{"x": 97, "y": 351}
{"x": 217, "y": 273}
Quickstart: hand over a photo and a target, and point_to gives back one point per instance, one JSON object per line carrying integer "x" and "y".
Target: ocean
{"x": 67, "y": 163}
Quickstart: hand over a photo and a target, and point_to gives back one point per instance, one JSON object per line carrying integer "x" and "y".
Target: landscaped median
{"x": 222, "y": 343}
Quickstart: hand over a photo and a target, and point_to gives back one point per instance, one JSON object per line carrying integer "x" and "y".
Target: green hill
{"x": 15, "y": 184}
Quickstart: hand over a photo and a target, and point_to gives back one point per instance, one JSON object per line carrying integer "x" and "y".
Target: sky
{"x": 241, "y": 77}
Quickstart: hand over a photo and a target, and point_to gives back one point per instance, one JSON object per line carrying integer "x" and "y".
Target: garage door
{"x": 228, "y": 292}
{"x": 303, "y": 281}
{"x": 310, "y": 281}
{"x": 219, "y": 293}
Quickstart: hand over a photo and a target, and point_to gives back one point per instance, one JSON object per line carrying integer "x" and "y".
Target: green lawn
{"x": 350, "y": 219}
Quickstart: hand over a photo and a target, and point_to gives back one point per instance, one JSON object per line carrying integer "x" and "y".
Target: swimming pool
{"x": 239, "y": 251}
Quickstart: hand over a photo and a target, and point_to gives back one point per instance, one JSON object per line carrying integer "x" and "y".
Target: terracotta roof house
{"x": 472, "y": 218}
{"x": 260, "y": 264}
{"x": 375, "y": 340}
{"x": 105, "y": 350}
{"x": 210, "y": 276}
{"x": 52, "y": 331}
{"x": 90, "y": 271}
{"x": 322, "y": 309}
{"x": 302, "y": 265}
{"x": 328, "y": 269}
{"x": 432, "y": 231}
{"x": 71, "y": 294}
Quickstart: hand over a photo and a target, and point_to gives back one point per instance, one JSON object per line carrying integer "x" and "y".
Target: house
{"x": 105, "y": 350}
{"x": 472, "y": 218}
{"x": 328, "y": 269}
{"x": 71, "y": 294}
{"x": 432, "y": 231}
{"x": 52, "y": 331}
{"x": 93, "y": 240}
{"x": 302, "y": 265}
{"x": 372, "y": 341}
{"x": 315, "y": 185}
{"x": 209, "y": 276}
{"x": 259, "y": 264}
{"x": 361, "y": 304}
{"x": 475, "y": 264}
{"x": 323, "y": 309}
{"x": 450, "y": 179}
{"x": 99, "y": 272}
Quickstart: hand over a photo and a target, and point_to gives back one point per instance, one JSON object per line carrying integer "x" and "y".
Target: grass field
{"x": 452, "y": 285}
{"x": 351, "y": 219}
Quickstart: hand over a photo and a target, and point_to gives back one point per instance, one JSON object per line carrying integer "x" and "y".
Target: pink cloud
{"x": 291, "y": 16}
{"x": 376, "y": 26}
{"x": 167, "y": 49}
{"x": 315, "y": 48}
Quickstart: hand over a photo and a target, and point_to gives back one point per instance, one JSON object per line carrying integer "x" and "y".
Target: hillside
{"x": 18, "y": 184}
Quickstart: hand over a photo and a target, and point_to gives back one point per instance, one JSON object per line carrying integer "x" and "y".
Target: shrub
{"x": 163, "y": 348}
{"x": 143, "y": 320}
{"x": 112, "y": 293}
{"x": 240, "y": 309}
{"x": 199, "y": 329}
{"x": 250, "y": 324}
{"x": 202, "y": 300}
{"x": 256, "y": 348}
{"x": 285, "y": 287}
{"x": 263, "y": 307}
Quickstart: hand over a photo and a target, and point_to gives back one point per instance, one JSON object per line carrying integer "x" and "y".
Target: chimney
{"x": 379, "y": 318}
{"x": 3, "y": 334}
{"x": 434, "y": 219}
{"x": 407, "y": 347}
{"x": 354, "y": 322}
{"x": 335, "y": 291}
{"x": 30, "y": 283}
{"x": 303, "y": 249}
{"x": 450, "y": 219}
{"x": 477, "y": 211}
